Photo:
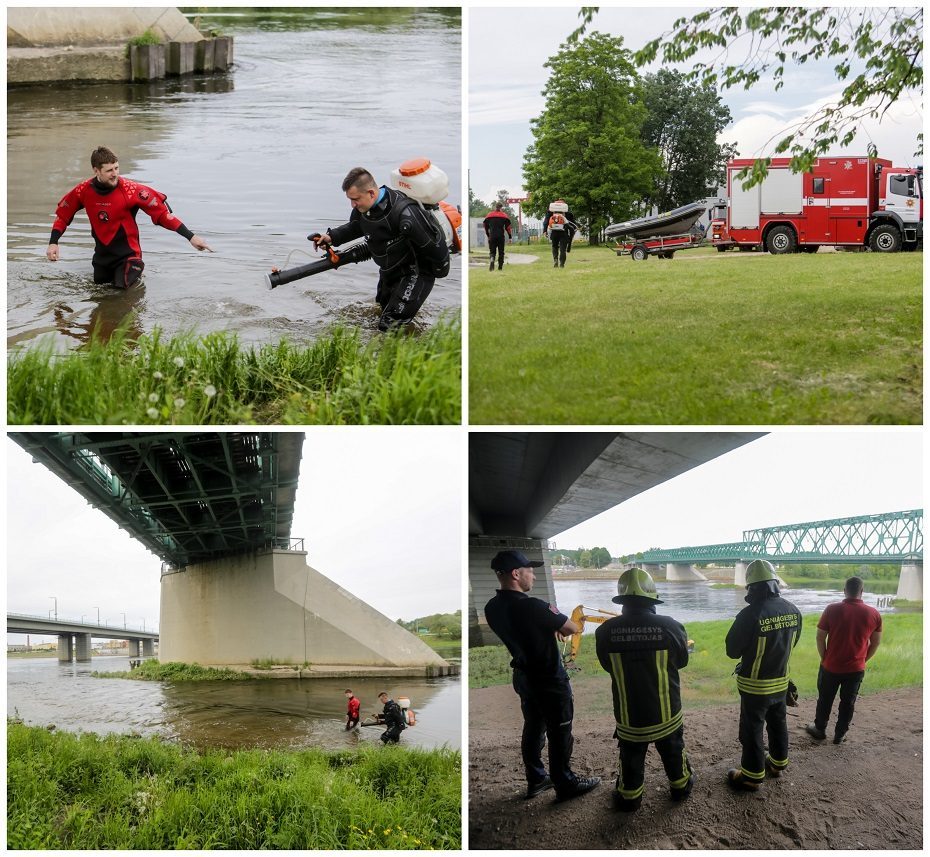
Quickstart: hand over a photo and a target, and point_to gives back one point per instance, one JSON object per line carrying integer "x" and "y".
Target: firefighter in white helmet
{"x": 643, "y": 653}
{"x": 762, "y": 636}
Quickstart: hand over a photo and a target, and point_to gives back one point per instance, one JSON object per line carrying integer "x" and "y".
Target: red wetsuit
{"x": 112, "y": 215}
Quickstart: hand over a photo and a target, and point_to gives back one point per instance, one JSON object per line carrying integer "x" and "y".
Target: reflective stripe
{"x": 630, "y": 794}
{"x": 647, "y": 734}
{"x": 757, "y": 663}
{"x": 665, "y": 705}
{"x": 836, "y": 201}
{"x": 777, "y": 763}
{"x": 762, "y": 687}
{"x": 752, "y": 776}
{"x": 617, "y": 663}
{"x": 680, "y": 784}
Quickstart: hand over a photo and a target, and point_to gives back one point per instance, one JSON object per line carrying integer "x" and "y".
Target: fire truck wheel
{"x": 885, "y": 239}
{"x": 638, "y": 253}
{"x": 781, "y": 239}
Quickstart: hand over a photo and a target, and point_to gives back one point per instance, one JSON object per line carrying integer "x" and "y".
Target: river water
{"x": 252, "y": 161}
{"x": 690, "y": 601}
{"x": 272, "y": 713}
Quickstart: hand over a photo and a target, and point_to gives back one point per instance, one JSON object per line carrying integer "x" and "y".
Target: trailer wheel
{"x": 781, "y": 239}
{"x": 667, "y": 255}
{"x": 638, "y": 253}
{"x": 885, "y": 239}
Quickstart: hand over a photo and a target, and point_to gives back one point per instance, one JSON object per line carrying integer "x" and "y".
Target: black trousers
{"x": 548, "y": 710}
{"x": 633, "y": 763}
{"x": 392, "y": 734}
{"x": 123, "y": 273}
{"x": 496, "y": 246}
{"x": 758, "y": 713}
{"x": 827, "y": 685}
{"x": 559, "y": 240}
{"x": 401, "y": 293}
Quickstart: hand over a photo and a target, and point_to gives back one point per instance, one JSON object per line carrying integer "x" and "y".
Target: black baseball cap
{"x": 506, "y": 561}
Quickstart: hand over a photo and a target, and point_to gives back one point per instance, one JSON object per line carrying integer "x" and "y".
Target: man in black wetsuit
{"x": 495, "y": 225}
{"x": 528, "y": 627}
{"x": 112, "y": 202}
{"x": 405, "y": 243}
{"x": 393, "y": 718}
{"x": 560, "y": 227}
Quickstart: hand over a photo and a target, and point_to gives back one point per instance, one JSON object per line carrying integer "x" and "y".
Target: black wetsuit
{"x": 561, "y": 239}
{"x": 406, "y": 245}
{"x": 394, "y": 720}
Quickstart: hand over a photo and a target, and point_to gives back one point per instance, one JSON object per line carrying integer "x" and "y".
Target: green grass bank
{"x": 338, "y": 379}
{"x": 704, "y": 338}
{"x": 152, "y": 670}
{"x": 708, "y": 679}
{"x": 89, "y": 792}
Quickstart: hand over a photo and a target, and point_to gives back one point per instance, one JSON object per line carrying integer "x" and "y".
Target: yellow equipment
{"x": 580, "y": 615}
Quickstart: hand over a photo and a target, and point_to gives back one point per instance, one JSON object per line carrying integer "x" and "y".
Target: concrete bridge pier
{"x": 148, "y": 648}
{"x": 739, "y": 572}
{"x": 82, "y": 648}
{"x": 911, "y": 581}
{"x": 65, "y": 649}
{"x": 677, "y": 571}
{"x": 482, "y": 581}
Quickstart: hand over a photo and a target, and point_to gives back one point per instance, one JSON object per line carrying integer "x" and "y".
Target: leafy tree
{"x": 584, "y": 558}
{"x": 886, "y": 43}
{"x": 476, "y": 207}
{"x": 502, "y": 196}
{"x": 600, "y": 557}
{"x": 587, "y": 145}
{"x": 683, "y": 121}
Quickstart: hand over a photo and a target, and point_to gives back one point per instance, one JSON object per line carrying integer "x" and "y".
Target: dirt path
{"x": 864, "y": 794}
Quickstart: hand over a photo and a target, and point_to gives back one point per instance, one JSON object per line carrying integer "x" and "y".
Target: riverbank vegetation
{"x": 66, "y": 791}
{"x": 152, "y": 670}
{"x": 339, "y": 378}
{"x": 704, "y": 338}
{"x": 708, "y": 678}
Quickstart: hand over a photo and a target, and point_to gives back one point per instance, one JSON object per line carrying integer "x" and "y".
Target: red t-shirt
{"x": 849, "y": 624}
{"x": 354, "y": 706}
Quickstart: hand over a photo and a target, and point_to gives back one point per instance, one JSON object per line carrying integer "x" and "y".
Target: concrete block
{"x": 180, "y": 59}
{"x": 203, "y": 56}
{"x": 82, "y": 648}
{"x": 65, "y": 649}
{"x": 147, "y": 61}
{"x": 222, "y": 53}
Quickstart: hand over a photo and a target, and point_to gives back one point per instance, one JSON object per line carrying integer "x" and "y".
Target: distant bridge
{"x": 74, "y": 637}
{"x": 868, "y": 539}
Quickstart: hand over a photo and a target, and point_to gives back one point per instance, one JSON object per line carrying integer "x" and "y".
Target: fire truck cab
{"x": 853, "y": 202}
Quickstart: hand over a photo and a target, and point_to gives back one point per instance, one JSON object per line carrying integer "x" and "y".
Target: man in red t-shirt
{"x": 848, "y": 634}
{"x": 352, "y": 710}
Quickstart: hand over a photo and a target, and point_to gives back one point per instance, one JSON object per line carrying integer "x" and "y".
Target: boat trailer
{"x": 663, "y": 246}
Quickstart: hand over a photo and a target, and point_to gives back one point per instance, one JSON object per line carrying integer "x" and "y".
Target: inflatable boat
{"x": 675, "y": 222}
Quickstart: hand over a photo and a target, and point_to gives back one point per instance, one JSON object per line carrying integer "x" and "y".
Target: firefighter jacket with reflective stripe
{"x": 762, "y": 636}
{"x": 643, "y": 653}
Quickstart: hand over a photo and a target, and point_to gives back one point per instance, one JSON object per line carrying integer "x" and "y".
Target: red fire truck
{"x": 841, "y": 202}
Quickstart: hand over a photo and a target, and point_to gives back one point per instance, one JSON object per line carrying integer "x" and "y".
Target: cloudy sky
{"x": 507, "y": 49}
{"x": 787, "y": 477}
{"x": 379, "y": 509}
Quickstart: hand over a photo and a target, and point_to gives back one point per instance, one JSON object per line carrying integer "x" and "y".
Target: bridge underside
{"x": 187, "y": 496}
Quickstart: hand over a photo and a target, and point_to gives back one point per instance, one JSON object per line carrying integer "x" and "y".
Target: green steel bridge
{"x": 187, "y": 496}
{"x": 882, "y": 538}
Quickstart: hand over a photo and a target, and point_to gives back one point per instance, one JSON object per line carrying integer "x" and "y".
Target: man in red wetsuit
{"x": 112, "y": 202}
{"x": 352, "y": 711}
{"x": 848, "y": 634}
{"x": 495, "y": 224}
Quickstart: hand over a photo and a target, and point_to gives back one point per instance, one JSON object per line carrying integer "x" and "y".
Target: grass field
{"x": 67, "y": 791}
{"x": 337, "y": 379}
{"x": 708, "y": 678}
{"x": 704, "y": 338}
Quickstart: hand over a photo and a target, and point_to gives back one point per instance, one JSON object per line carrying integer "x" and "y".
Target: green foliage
{"x": 87, "y": 792}
{"x": 445, "y": 625}
{"x": 683, "y": 121}
{"x": 477, "y": 207}
{"x": 152, "y": 670}
{"x": 708, "y": 678}
{"x": 149, "y": 37}
{"x": 587, "y": 145}
{"x": 705, "y": 338}
{"x": 337, "y": 379}
{"x": 884, "y": 45}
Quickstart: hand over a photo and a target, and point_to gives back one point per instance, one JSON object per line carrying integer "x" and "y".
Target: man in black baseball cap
{"x": 528, "y": 627}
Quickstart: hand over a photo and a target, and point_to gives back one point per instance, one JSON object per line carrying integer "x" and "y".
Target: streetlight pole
{"x": 56, "y": 606}
{"x": 124, "y": 621}
{"x": 98, "y": 615}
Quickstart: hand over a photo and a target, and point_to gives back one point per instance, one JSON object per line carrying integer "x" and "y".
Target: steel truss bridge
{"x": 887, "y": 537}
{"x": 187, "y": 496}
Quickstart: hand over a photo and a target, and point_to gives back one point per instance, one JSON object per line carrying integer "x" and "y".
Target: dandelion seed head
{"x": 179, "y": 403}
{"x": 179, "y": 362}
{"x": 153, "y": 397}
{"x": 209, "y": 391}
{"x": 157, "y": 376}
{"x": 152, "y": 412}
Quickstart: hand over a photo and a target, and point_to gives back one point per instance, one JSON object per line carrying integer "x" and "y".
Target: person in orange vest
{"x": 495, "y": 225}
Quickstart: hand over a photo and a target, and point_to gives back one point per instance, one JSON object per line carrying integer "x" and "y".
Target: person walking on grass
{"x": 762, "y": 636}
{"x": 848, "y": 634}
{"x": 559, "y": 224}
{"x": 528, "y": 627}
{"x": 496, "y": 224}
{"x": 112, "y": 202}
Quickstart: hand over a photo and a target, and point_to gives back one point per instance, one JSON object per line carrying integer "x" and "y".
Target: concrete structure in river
{"x": 74, "y": 638}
